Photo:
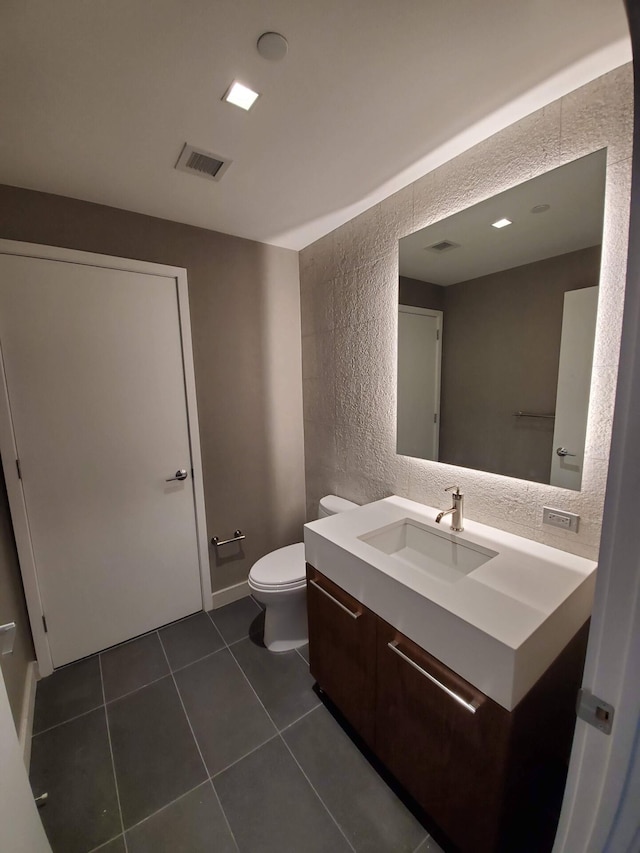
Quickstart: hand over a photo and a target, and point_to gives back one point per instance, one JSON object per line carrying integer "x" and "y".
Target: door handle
{"x": 561, "y": 451}
{"x": 180, "y": 475}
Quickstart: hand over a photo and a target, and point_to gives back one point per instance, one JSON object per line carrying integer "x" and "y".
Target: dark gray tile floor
{"x": 195, "y": 738}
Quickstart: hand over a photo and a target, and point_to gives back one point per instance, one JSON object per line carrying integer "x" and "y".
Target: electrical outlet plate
{"x": 560, "y": 518}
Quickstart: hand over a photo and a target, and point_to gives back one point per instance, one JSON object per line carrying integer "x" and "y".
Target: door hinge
{"x": 437, "y": 334}
{"x": 192, "y": 473}
{"x": 595, "y": 711}
{"x": 19, "y": 469}
{"x": 44, "y": 624}
{"x": 435, "y": 418}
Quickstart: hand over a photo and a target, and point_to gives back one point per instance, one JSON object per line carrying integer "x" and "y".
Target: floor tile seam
{"x": 313, "y": 788}
{"x": 184, "y": 710}
{"x": 137, "y": 689}
{"x": 245, "y": 755}
{"x": 279, "y": 734}
{"x": 113, "y": 761}
{"x": 209, "y": 612}
{"x": 105, "y": 843}
{"x": 166, "y": 806}
{"x": 253, "y": 689}
{"x": 302, "y": 656}
{"x": 69, "y": 720}
{"x": 195, "y": 740}
{"x": 292, "y": 755}
{"x": 197, "y": 660}
{"x": 224, "y": 814}
{"x": 422, "y": 843}
{"x": 301, "y": 717}
{"x": 239, "y": 640}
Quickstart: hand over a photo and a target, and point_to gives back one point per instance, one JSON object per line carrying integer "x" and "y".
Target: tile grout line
{"x": 113, "y": 763}
{"x": 246, "y": 755}
{"x": 340, "y": 830}
{"x": 423, "y": 842}
{"x": 166, "y": 805}
{"x": 195, "y": 740}
{"x": 105, "y": 843}
{"x": 312, "y": 786}
{"x": 301, "y": 717}
{"x": 70, "y": 720}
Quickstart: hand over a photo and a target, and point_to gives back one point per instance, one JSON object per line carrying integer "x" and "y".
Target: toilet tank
{"x": 332, "y": 505}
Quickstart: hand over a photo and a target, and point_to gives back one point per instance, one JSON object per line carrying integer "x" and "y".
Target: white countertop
{"x": 500, "y": 626}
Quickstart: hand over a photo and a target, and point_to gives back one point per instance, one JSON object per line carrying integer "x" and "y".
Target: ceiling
{"x": 98, "y": 98}
{"x": 574, "y": 220}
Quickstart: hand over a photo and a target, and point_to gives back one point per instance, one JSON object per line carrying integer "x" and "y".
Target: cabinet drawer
{"x": 443, "y": 740}
{"x": 342, "y": 651}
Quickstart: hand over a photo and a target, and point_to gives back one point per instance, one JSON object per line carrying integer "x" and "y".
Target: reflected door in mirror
{"x": 419, "y": 360}
{"x": 574, "y": 380}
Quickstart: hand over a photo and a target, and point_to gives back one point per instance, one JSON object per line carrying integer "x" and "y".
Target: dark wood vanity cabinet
{"x": 451, "y": 757}
{"x": 342, "y": 639}
{"x": 490, "y": 779}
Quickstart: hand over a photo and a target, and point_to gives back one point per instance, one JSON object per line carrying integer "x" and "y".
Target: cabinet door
{"x": 449, "y": 752}
{"x": 342, "y": 651}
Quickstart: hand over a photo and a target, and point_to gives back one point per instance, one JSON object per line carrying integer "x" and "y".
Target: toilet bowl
{"x": 278, "y": 581}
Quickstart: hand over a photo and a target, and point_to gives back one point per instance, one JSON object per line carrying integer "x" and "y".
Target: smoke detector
{"x": 204, "y": 164}
{"x": 272, "y": 46}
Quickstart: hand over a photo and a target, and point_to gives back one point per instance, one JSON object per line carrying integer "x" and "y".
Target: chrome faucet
{"x": 456, "y": 511}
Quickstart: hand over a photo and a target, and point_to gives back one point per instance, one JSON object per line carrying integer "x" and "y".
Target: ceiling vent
{"x": 202, "y": 163}
{"x": 443, "y": 246}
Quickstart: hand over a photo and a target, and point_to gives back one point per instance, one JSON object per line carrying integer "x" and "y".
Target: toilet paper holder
{"x": 237, "y": 537}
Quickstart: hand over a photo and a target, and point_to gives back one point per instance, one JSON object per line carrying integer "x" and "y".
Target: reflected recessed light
{"x": 501, "y": 223}
{"x": 241, "y": 96}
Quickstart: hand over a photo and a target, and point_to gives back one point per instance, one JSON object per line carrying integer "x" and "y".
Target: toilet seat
{"x": 283, "y": 569}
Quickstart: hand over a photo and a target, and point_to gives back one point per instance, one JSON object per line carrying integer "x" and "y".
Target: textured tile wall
{"x": 349, "y": 282}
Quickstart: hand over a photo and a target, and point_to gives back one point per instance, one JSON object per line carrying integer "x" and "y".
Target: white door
{"x": 574, "y": 382}
{"x": 419, "y": 348}
{"x": 94, "y": 374}
{"x": 20, "y": 826}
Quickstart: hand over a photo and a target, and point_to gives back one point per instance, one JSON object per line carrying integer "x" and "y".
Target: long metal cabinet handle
{"x": 335, "y": 601}
{"x": 470, "y": 706}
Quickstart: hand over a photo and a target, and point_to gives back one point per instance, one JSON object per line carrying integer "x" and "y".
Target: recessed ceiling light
{"x": 540, "y": 208}
{"x": 501, "y": 223}
{"x": 241, "y": 96}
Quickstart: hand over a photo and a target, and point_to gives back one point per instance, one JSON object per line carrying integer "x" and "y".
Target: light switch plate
{"x": 560, "y": 518}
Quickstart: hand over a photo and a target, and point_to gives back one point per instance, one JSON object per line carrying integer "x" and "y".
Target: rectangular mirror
{"x": 496, "y": 326}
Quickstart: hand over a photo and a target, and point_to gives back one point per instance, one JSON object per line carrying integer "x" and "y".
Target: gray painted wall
{"x": 420, "y": 294}
{"x": 349, "y": 290}
{"x": 245, "y": 314}
{"x": 500, "y": 354}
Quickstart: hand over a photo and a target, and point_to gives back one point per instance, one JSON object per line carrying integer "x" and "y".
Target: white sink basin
{"x": 494, "y": 607}
{"x": 437, "y": 553}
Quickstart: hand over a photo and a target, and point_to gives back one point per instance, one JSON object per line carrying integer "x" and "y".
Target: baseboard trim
{"x": 25, "y": 728}
{"x": 231, "y": 593}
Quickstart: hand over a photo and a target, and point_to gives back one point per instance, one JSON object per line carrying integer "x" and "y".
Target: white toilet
{"x": 278, "y": 580}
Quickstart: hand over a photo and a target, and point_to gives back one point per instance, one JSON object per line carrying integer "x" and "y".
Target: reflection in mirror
{"x": 496, "y": 325}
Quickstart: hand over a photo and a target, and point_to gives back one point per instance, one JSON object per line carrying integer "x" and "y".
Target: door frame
{"x": 439, "y": 316}
{"x": 8, "y": 445}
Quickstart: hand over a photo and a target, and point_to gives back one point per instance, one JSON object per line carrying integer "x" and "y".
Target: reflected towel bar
{"x": 532, "y": 415}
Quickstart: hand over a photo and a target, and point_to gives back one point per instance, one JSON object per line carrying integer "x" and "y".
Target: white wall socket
{"x": 560, "y": 518}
